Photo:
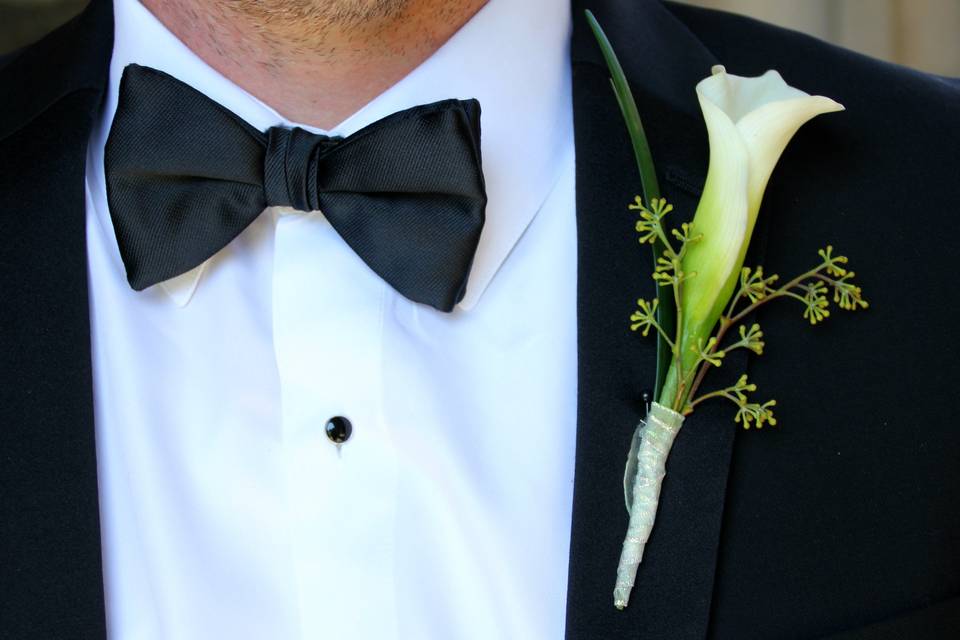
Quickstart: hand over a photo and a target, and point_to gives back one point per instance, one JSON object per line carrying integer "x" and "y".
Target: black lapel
{"x": 50, "y": 571}
{"x": 663, "y": 62}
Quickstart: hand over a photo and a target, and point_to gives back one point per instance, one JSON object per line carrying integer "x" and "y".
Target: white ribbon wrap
{"x": 656, "y": 438}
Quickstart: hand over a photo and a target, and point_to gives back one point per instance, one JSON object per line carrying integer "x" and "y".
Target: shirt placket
{"x": 327, "y": 317}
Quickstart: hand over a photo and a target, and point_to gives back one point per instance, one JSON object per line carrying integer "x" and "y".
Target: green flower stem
{"x": 791, "y": 294}
{"x": 671, "y": 391}
{"x": 782, "y": 291}
{"x": 720, "y": 393}
{"x": 678, "y": 342}
{"x": 663, "y": 334}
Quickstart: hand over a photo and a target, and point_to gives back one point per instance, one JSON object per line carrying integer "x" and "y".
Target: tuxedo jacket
{"x": 841, "y": 521}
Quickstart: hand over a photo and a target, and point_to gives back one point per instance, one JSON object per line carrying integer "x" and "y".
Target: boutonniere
{"x": 705, "y": 295}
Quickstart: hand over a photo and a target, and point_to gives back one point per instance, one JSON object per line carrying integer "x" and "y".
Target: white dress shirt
{"x": 226, "y": 510}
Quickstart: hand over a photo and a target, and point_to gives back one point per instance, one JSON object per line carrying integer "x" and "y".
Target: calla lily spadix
{"x": 749, "y": 123}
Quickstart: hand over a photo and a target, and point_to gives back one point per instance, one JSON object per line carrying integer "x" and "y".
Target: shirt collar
{"x": 512, "y": 56}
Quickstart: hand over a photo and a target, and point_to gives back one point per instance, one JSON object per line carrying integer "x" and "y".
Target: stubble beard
{"x": 315, "y": 61}
{"x": 321, "y": 14}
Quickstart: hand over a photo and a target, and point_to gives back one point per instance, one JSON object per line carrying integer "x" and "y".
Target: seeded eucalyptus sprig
{"x": 810, "y": 288}
{"x": 756, "y": 288}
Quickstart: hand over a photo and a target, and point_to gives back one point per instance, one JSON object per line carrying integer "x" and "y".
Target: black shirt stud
{"x": 338, "y": 430}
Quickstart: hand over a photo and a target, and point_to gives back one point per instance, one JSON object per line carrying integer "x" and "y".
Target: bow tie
{"x": 185, "y": 176}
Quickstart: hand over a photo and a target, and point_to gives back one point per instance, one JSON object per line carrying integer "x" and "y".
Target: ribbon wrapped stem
{"x": 657, "y": 433}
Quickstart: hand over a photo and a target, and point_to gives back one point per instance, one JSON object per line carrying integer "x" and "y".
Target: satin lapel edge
{"x": 674, "y": 589}
{"x": 53, "y": 576}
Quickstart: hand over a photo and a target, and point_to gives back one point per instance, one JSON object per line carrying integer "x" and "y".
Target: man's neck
{"x": 314, "y": 61}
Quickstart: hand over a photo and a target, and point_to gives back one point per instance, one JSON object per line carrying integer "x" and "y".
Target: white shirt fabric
{"x": 226, "y": 511}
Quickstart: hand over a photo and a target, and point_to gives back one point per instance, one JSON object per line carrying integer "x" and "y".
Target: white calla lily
{"x": 749, "y": 123}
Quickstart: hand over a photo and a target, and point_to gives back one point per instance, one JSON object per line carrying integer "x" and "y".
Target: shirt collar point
{"x": 181, "y": 288}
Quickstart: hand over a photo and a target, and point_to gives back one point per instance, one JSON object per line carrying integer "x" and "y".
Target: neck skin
{"x": 314, "y": 61}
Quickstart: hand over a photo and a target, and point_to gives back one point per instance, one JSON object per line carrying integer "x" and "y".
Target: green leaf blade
{"x": 666, "y": 312}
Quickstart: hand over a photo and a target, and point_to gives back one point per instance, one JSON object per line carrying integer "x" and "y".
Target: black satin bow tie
{"x": 185, "y": 176}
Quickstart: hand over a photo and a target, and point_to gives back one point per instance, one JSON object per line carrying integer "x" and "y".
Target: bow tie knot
{"x": 290, "y": 167}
